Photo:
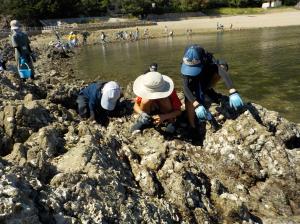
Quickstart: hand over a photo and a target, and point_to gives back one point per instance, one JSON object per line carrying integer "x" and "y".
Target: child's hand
{"x": 159, "y": 119}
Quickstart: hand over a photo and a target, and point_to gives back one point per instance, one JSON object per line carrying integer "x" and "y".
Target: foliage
{"x": 290, "y": 2}
{"x": 233, "y": 11}
{"x": 30, "y": 10}
{"x": 188, "y": 5}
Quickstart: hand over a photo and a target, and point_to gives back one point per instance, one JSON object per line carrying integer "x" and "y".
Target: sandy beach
{"x": 198, "y": 25}
{"x": 238, "y": 22}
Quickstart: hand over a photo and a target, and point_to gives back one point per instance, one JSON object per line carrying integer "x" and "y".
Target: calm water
{"x": 264, "y": 64}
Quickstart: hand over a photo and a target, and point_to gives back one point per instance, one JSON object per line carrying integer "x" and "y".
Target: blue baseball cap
{"x": 191, "y": 61}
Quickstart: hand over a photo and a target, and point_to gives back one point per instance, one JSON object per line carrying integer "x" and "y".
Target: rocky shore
{"x": 55, "y": 168}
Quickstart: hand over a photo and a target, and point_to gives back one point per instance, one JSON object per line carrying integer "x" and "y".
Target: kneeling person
{"x": 156, "y": 103}
{"x": 97, "y": 98}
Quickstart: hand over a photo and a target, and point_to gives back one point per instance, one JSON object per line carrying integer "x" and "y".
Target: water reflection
{"x": 264, "y": 64}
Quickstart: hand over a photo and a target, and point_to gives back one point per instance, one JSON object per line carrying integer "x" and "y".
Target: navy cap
{"x": 192, "y": 61}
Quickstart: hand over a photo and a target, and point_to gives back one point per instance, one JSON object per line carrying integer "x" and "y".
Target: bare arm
{"x": 137, "y": 108}
{"x": 160, "y": 118}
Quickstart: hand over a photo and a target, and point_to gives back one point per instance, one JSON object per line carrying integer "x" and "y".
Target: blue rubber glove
{"x": 145, "y": 118}
{"x": 235, "y": 101}
{"x": 201, "y": 113}
{"x": 22, "y": 60}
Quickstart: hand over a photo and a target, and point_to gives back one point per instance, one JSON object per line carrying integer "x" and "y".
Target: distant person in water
{"x": 97, "y": 98}
{"x": 156, "y": 103}
{"x": 21, "y": 43}
{"x": 200, "y": 72}
{"x": 85, "y": 35}
{"x": 152, "y": 68}
{"x": 103, "y": 38}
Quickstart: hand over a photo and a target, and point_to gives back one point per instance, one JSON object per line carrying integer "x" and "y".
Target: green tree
{"x": 188, "y": 5}
{"x": 290, "y": 2}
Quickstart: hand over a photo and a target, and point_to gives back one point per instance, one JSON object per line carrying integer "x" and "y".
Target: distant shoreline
{"x": 239, "y": 22}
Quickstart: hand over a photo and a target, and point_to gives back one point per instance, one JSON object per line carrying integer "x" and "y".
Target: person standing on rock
{"x": 21, "y": 43}
{"x": 85, "y": 35}
{"x": 156, "y": 103}
{"x": 97, "y": 98}
{"x": 200, "y": 72}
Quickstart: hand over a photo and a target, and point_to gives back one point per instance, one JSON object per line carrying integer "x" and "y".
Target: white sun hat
{"x": 153, "y": 85}
{"x": 111, "y": 93}
{"x": 14, "y": 25}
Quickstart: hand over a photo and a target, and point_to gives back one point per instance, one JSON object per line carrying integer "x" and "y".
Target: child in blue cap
{"x": 200, "y": 73}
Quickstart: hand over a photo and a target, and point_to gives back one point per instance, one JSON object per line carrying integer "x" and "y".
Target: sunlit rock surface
{"x": 55, "y": 168}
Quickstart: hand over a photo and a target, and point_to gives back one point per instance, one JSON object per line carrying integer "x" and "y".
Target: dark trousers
{"x": 83, "y": 106}
{"x": 3, "y": 64}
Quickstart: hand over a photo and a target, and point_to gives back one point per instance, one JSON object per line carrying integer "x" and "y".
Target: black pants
{"x": 3, "y": 64}
{"x": 83, "y": 106}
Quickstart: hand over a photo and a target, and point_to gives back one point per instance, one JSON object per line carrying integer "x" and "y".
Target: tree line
{"x": 33, "y": 10}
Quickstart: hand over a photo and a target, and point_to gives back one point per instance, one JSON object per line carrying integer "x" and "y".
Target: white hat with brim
{"x": 111, "y": 93}
{"x": 153, "y": 85}
{"x": 14, "y": 25}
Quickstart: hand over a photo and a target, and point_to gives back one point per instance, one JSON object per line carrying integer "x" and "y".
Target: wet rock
{"x": 65, "y": 95}
{"x": 18, "y": 154}
{"x": 16, "y": 205}
{"x": 55, "y": 168}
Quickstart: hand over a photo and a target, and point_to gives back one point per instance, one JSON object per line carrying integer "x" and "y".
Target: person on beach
{"x": 21, "y": 44}
{"x": 156, "y": 103}
{"x": 73, "y": 39}
{"x": 200, "y": 72}
{"x": 166, "y": 30}
{"x": 103, "y": 38}
{"x": 137, "y": 34}
{"x": 146, "y": 33}
{"x": 98, "y": 98}
{"x": 84, "y": 35}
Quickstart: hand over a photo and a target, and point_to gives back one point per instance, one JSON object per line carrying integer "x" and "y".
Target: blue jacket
{"x": 93, "y": 93}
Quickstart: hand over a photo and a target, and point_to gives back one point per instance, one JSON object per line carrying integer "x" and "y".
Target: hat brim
{"x": 107, "y": 103}
{"x": 189, "y": 70}
{"x": 164, "y": 90}
{"x": 14, "y": 27}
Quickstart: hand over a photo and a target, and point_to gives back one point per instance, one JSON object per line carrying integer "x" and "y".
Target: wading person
{"x": 98, "y": 98}
{"x": 21, "y": 43}
{"x": 84, "y": 35}
{"x": 200, "y": 73}
{"x": 152, "y": 68}
{"x": 103, "y": 38}
{"x": 156, "y": 102}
